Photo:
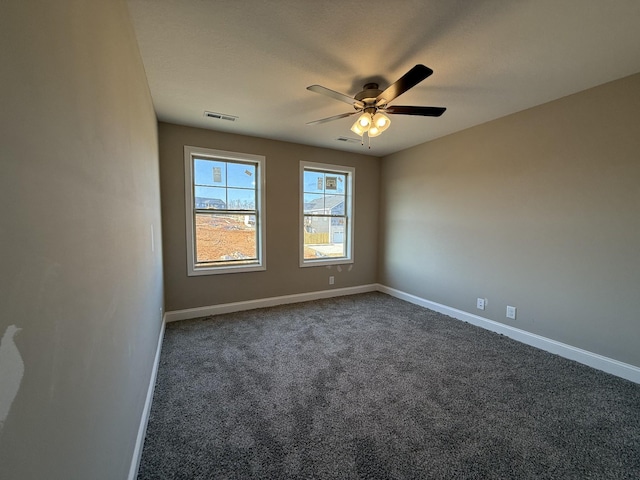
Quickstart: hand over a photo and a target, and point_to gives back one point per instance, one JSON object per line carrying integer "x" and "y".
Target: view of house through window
{"x": 326, "y": 214}
{"x": 224, "y": 211}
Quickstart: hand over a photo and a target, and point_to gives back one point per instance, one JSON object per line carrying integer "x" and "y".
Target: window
{"x": 225, "y": 211}
{"x": 326, "y": 211}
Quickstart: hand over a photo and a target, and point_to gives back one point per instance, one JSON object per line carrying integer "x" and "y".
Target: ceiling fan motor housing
{"x": 368, "y": 95}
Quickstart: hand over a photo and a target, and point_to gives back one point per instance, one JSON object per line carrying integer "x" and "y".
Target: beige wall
{"x": 79, "y": 191}
{"x": 540, "y": 210}
{"x": 283, "y": 275}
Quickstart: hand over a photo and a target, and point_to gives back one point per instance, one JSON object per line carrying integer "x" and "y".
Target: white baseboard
{"x": 609, "y": 365}
{"x": 146, "y": 411}
{"x": 265, "y": 302}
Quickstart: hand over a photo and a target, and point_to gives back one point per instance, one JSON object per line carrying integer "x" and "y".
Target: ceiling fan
{"x": 373, "y": 103}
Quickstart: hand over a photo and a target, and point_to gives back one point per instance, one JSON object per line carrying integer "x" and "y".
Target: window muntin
{"x": 326, "y": 214}
{"x": 225, "y": 211}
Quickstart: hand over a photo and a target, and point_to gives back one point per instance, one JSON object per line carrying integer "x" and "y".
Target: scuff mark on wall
{"x": 11, "y": 371}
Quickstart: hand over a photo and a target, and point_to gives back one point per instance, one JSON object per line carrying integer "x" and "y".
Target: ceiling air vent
{"x": 220, "y": 116}
{"x": 348, "y": 140}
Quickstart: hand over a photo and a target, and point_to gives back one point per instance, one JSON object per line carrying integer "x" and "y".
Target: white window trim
{"x": 349, "y": 207}
{"x": 189, "y": 153}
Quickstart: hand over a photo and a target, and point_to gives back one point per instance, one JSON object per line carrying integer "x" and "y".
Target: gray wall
{"x": 540, "y": 210}
{"x": 283, "y": 275}
{"x": 79, "y": 189}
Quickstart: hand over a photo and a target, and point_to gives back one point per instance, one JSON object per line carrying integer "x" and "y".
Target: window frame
{"x": 190, "y": 154}
{"x": 350, "y": 173}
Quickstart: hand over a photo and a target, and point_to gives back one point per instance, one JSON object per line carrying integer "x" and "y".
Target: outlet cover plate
{"x": 511, "y": 312}
{"x": 480, "y": 303}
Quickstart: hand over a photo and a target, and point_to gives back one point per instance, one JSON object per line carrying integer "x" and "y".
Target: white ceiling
{"x": 255, "y": 58}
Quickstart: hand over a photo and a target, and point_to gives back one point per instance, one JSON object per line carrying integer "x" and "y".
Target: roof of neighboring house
{"x": 209, "y": 201}
{"x": 328, "y": 202}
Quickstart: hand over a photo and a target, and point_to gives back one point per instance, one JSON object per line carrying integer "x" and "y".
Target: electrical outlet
{"x": 511, "y": 312}
{"x": 480, "y": 303}
{"x": 331, "y": 279}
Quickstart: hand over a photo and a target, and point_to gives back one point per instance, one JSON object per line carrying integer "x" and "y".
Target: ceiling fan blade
{"x": 408, "y": 110}
{"x": 335, "y": 117}
{"x": 336, "y": 95}
{"x": 404, "y": 83}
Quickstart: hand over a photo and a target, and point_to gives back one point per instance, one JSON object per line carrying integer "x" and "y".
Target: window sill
{"x": 325, "y": 262}
{"x": 225, "y": 270}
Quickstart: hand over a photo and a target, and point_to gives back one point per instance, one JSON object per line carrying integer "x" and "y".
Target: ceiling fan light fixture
{"x": 381, "y": 121}
{"x": 372, "y": 125}
{"x": 362, "y": 125}
{"x": 365, "y": 121}
{"x": 357, "y": 129}
{"x": 374, "y": 131}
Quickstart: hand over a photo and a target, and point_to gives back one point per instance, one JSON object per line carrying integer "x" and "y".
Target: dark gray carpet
{"x": 369, "y": 386}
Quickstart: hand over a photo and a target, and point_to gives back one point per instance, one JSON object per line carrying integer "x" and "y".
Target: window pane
{"x": 241, "y": 199}
{"x": 223, "y": 238}
{"x": 313, "y": 204}
{"x": 241, "y": 175}
{"x": 313, "y": 182}
{"x": 324, "y": 237}
{"x": 210, "y": 197}
{"x": 209, "y": 172}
